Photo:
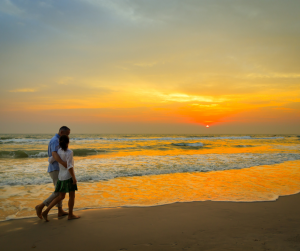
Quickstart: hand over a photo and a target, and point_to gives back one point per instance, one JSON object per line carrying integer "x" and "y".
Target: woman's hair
{"x": 63, "y": 142}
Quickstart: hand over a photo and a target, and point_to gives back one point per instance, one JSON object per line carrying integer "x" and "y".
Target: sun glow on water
{"x": 145, "y": 170}
{"x": 246, "y": 185}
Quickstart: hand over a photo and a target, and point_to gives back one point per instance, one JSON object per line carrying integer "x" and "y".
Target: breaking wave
{"x": 97, "y": 169}
{"x": 40, "y": 154}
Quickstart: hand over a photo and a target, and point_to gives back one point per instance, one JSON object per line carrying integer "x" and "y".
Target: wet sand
{"x": 181, "y": 226}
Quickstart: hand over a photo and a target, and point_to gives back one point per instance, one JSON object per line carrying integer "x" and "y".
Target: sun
{"x": 207, "y": 126}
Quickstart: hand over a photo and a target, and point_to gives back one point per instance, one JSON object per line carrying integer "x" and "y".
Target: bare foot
{"x": 62, "y": 213}
{"x": 45, "y": 216}
{"x": 38, "y": 212}
{"x": 73, "y": 217}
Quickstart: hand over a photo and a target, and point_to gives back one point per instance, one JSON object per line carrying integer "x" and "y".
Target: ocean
{"x": 149, "y": 170}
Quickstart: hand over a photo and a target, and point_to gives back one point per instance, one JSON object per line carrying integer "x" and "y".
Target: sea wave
{"x": 23, "y": 141}
{"x": 244, "y": 146}
{"x": 22, "y": 154}
{"x": 5, "y": 138}
{"x": 198, "y": 144}
{"x": 41, "y": 154}
{"x": 97, "y": 169}
{"x": 45, "y": 141}
{"x": 86, "y": 152}
{"x": 192, "y": 138}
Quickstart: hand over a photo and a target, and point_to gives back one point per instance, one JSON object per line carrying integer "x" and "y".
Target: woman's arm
{"x": 71, "y": 171}
{"x": 58, "y": 159}
{"x": 70, "y": 162}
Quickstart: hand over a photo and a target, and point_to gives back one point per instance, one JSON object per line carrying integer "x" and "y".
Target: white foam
{"x": 96, "y": 169}
{"x": 83, "y": 140}
{"x": 39, "y": 155}
{"x": 25, "y": 141}
{"x": 192, "y": 138}
{"x": 287, "y": 147}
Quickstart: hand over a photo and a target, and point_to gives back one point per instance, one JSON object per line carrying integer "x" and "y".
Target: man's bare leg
{"x": 71, "y": 206}
{"x": 39, "y": 208}
{"x": 52, "y": 204}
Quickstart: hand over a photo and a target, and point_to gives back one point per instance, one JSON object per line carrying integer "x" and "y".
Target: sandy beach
{"x": 181, "y": 226}
{"x": 178, "y": 121}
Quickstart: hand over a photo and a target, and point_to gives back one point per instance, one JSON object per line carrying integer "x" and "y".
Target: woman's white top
{"x": 67, "y": 156}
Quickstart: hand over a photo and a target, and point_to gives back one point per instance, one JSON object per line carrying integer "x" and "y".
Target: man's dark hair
{"x": 64, "y": 128}
{"x": 63, "y": 142}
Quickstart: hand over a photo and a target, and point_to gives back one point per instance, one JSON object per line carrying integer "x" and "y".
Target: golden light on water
{"x": 262, "y": 183}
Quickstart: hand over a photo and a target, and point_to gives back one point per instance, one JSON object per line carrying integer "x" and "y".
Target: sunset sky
{"x": 156, "y": 66}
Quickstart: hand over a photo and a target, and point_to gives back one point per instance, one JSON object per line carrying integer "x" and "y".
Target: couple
{"x": 61, "y": 171}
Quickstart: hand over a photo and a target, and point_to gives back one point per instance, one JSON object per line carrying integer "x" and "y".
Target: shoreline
{"x": 204, "y": 225}
{"x": 249, "y": 185}
{"x": 158, "y": 205}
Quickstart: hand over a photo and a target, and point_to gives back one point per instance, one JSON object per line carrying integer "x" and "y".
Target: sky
{"x": 150, "y": 66}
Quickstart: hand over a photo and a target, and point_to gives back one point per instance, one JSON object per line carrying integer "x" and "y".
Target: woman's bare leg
{"x": 52, "y": 204}
{"x": 71, "y": 206}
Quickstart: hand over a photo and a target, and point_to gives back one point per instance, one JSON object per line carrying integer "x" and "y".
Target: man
{"x": 53, "y": 170}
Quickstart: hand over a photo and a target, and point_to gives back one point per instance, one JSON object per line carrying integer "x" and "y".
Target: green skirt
{"x": 65, "y": 186}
